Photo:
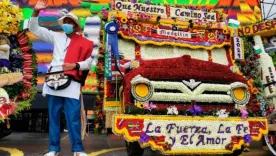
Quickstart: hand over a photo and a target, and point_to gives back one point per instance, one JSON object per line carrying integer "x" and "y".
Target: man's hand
{"x": 40, "y": 5}
{"x": 68, "y": 66}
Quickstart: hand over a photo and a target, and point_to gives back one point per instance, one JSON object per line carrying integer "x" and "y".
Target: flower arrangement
{"x": 99, "y": 122}
{"x": 10, "y": 16}
{"x": 23, "y": 61}
{"x": 250, "y": 68}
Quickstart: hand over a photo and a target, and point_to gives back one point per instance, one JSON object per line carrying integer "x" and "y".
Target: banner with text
{"x": 162, "y": 11}
{"x": 187, "y": 135}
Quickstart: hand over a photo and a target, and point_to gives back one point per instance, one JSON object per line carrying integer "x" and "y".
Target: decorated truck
{"x": 185, "y": 79}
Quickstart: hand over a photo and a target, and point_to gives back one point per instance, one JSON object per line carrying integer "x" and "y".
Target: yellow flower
{"x": 5, "y": 3}
{"x": 4, "y": 19}
{"x": 10, "y": 16}
{"x": 139, "y": 104}
{"x": 15, "y": 9}
{"x": 9, "y": 19}
{"x": 124, "y": 20}
{"x": 13, "y": 27}
{"x": 135, "y": 64}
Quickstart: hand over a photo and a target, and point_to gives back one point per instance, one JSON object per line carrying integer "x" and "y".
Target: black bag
{"x": 57, "y": 80}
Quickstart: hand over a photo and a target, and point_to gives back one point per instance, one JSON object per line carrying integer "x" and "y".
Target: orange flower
{"x": 255, "y": 91}
{"x": 250, "y": 82}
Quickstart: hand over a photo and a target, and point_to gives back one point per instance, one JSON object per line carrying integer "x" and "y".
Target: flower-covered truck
{"x": 181, "y": 80}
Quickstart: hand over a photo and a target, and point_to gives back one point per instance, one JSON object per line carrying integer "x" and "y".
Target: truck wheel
{"x": 134, "y": 149}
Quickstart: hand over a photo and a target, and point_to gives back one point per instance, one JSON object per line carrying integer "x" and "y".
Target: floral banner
{"x": 265, "y": 29}
{"x": 188, "y": 135}
{"x": 158, "y": 34}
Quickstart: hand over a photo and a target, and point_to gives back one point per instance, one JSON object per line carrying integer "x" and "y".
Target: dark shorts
{"x": 5, "y": 63}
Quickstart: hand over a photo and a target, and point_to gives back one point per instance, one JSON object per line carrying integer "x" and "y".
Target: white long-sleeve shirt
{"x": 61, "y": 43}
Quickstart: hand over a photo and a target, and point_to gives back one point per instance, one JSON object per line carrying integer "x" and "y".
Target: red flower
{"x": 229, "y": 146}
{"x": 23, "y": 40}
{"x": 24, "y": 95}
{"x": 251, "y": 62}
{"x": 99, "y": 106}
{"x": 100, "y": 115}
{"x": 242, "y": 62}
{"x": 167, "y": 146}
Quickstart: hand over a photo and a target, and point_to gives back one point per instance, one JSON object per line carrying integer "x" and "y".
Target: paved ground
{"x": 35, "y": 144}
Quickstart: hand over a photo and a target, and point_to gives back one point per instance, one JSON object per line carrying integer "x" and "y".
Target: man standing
{"x": 71, "y": 54}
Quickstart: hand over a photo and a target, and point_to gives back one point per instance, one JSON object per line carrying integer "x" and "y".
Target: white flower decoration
{"x": 172, "y": 110}
{"x": 222, "y": 113}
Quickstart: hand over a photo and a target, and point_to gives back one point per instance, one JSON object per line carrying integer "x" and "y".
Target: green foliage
{"x": 26, "y": 104}
{"x": 273, "y": 56}
{"x": 14, "y": 90}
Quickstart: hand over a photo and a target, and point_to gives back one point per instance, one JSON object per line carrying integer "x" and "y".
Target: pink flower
{"x": 150, "y": 106}
{"x": 244, "y": 113}
{"x": 105, "y": 13}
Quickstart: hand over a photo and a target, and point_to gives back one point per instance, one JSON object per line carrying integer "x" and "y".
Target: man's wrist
{"x": 36, "y": 13}
{"x": 77, "y": 66}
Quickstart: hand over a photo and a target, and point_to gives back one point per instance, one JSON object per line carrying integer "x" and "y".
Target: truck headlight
{"x": 239, "y": 93}
{"x": 141, "y": 89}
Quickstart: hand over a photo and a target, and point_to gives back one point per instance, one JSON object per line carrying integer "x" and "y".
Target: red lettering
{"x": 261, "y": 27}
{"x": 247, "y": 30}
{"x": 267, "y": 25}
{"x": 273, "y": 23}
{"x": 240, "y": 32}
{"x": 255, "y": 28}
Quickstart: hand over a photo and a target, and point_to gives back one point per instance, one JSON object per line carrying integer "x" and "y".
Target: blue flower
{"x": 148, "y": 2}
{"x": 195, "y": 110}
{"x": 144, "y": 138}
{"x": 247, "y": 138}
